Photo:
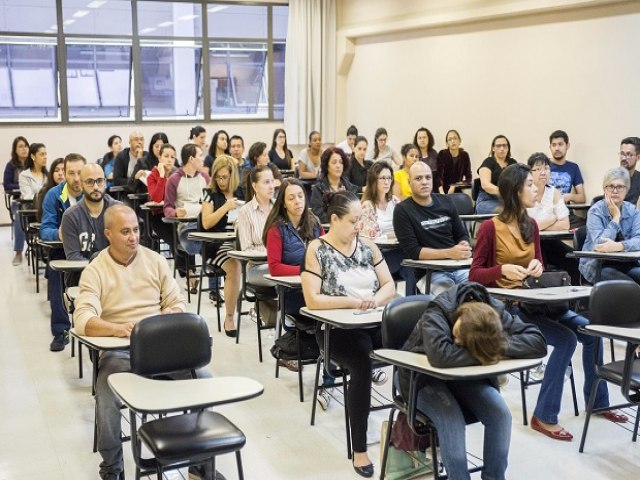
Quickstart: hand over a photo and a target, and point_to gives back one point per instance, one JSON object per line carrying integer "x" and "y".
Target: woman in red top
{"x": 156, "y": 184}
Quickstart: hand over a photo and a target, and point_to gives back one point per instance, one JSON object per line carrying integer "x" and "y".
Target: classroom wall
{"x": 494, "y": 67}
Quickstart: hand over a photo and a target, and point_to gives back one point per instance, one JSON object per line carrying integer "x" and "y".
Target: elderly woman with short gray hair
{"x": 613, "y": 225}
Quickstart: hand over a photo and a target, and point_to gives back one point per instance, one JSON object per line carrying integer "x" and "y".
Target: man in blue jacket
{"x": 57, "y": 200}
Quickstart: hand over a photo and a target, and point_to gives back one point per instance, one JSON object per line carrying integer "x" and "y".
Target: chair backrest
{"x": 597, "y": 198}
{"x": 400, "y": 317}
{"x": 462, "y": 202}
{"x": 164, "y": 344}
{"x": 615, "y": 303}
{"x": 579, "y": 237}
{"x": 475, "y": 189}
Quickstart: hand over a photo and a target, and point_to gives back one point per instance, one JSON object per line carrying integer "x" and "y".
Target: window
{"x": 97, "y": 17}
{"x": 171, "y": 80}
{"x": 238, "y": 80}
{"x": 99, "y": 80}
{"x": 95, "y": 63}
{"x": 28, "y": 80}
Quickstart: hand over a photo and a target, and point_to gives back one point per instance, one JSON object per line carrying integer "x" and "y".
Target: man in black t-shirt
{"x": 629, "y": 153}
{"x": 428, "y": 228}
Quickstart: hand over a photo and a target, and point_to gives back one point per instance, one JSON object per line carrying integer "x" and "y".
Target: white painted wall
{"x": 569, "y": 65}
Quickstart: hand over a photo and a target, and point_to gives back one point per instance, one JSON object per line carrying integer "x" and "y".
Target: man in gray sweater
{"x": 82, "y": 226}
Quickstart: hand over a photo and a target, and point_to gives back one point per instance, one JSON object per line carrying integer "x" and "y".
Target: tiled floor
{"x": 46, "y": 412}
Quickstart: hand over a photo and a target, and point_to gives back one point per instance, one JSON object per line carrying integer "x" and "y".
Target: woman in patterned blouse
{"x": 342, "y": 270}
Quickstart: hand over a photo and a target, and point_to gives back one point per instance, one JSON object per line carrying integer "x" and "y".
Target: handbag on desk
{"x": 552, "y": 278}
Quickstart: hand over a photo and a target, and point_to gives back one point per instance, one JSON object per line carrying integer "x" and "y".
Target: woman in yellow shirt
{"x": 410, "y": 155}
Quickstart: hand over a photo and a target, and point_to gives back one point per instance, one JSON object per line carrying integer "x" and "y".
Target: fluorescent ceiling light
{"x": 165, "y": 24}
{"x": 217, "y": 8}
{"x": 96, "y": 3}
{"x": 188, "y": 17}
{"x": 81, "y": 13}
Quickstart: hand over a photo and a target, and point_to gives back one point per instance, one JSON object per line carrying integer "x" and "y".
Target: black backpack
{"x": 285, "y": 347}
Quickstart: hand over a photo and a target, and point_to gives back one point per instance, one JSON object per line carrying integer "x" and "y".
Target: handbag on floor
{"x": 403, "y": 464}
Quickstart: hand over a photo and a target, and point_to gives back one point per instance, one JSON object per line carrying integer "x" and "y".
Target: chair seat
{"x": 197, "y": 436}
{"x": 612, "y": 372}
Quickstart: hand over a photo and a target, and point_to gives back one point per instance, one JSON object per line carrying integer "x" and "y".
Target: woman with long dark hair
{"x": 219, "y": 146}
{"x": 258, "y": 157}
{"x": 454, "y": 162}
{"x": 359, "y": 165}
{"x": 115, "y": 147}
{"x": 54, "y": 177}
{"x": 19, "y": 155}
{"x": 507, "y": 252}
{"x": 423, "y": 139}
{"x": 333, "y": 165}
{"x": 499, "y": 158}
{"x": 34, "y": 175}
{"x": 280, "y": 155}
{"x": 382, "y": 152}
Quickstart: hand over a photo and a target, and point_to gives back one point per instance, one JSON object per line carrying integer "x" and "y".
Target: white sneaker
{"x": 537, "y": 373}
{"x": 379, "y": 376}
{"x": 323, "y": 398}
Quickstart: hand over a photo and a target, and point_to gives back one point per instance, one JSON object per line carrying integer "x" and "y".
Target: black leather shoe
{"x": 366, "y": 471}
{"x": 231, "y": 333}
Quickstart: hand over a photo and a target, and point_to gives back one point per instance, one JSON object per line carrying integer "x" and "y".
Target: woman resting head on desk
{"x": 461, "y": 327}
{"x": 613, "y": 225}
{"x": 342, "y": 270}
{"x": 508, "y": 251}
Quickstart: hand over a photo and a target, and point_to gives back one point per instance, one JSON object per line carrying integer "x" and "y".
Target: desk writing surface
{"x": 345, "y": 317}
{"x": 146, "y": 395}
{"x": 386, "y": 242}
{"x": 542, "y": 295}
{"x": 620, "y": 333}
{"x": 624, "y": 256}
{"x": 211, "y": 236}
{"x": 68, "y": 265}
{"x": 102, "y": 343}
{"x": 420, "y": 363}
{"x": 248, "y": 255}
{"x": 446, "y": 264}
{"x": 560, "y": 234}
{"x": 476, "y": 217}
{"x": 179, "y": 219}
{"x": 49, "y": 243}
{"x": 291, "y": 281}
{"x": 579, "y": 206}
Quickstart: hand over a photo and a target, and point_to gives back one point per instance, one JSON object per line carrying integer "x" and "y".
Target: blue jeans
{"x": 441, "y": 281}
{"x": 487, "y": 203}
{"x": 561, "y": 332}
{"x": 394, "y": 258}
{"x": 18, "y": 233}
{"x": 620, "y": 271}
{"x": 444, "y": 402}
{"x": 59, "y": 317}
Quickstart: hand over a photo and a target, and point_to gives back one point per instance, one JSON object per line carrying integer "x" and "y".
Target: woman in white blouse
{"x": 34, "y": 175}
{"x": 378, "y": 203}
{"x": 252, "y": 218}
{"x": 551, "y": 213}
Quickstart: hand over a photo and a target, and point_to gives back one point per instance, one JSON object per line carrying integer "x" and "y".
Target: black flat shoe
{"x": 230, "y": 333}
{"x": 366, "y": 471}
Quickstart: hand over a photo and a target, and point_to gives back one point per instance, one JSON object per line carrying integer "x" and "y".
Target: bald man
{"x": 428, "y": 227}
{"x": 124, "y": 283}
{"x": 82, "y": 226}
{"x": 124, "y": 166}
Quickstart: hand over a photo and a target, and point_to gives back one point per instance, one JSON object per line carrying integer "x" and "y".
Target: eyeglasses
{"x": 626, "y": 154}
{"x": 90, "y": 182}
{"x": 540, "y": 169}
{"x": 615, "y": 188}
{"x": 385, "y": 178}
{"x": 222, "y": 178}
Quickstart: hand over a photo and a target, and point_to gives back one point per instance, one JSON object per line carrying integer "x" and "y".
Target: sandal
{"x": 289, "y": 364}
{"x": 614, "y": 417}
{"x": 193, "y": 289}
{"x": 561, "y": 434}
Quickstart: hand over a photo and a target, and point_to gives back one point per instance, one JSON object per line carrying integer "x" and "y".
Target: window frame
{"x": 135, "y": 38}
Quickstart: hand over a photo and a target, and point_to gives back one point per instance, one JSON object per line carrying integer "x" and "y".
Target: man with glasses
{"x": 565, "y": 175}
{"x": 428, "y": 228}
{"x": 82, "y": 227}
{"x": 55, "y": 202}
{"x": 629, "y": 151}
